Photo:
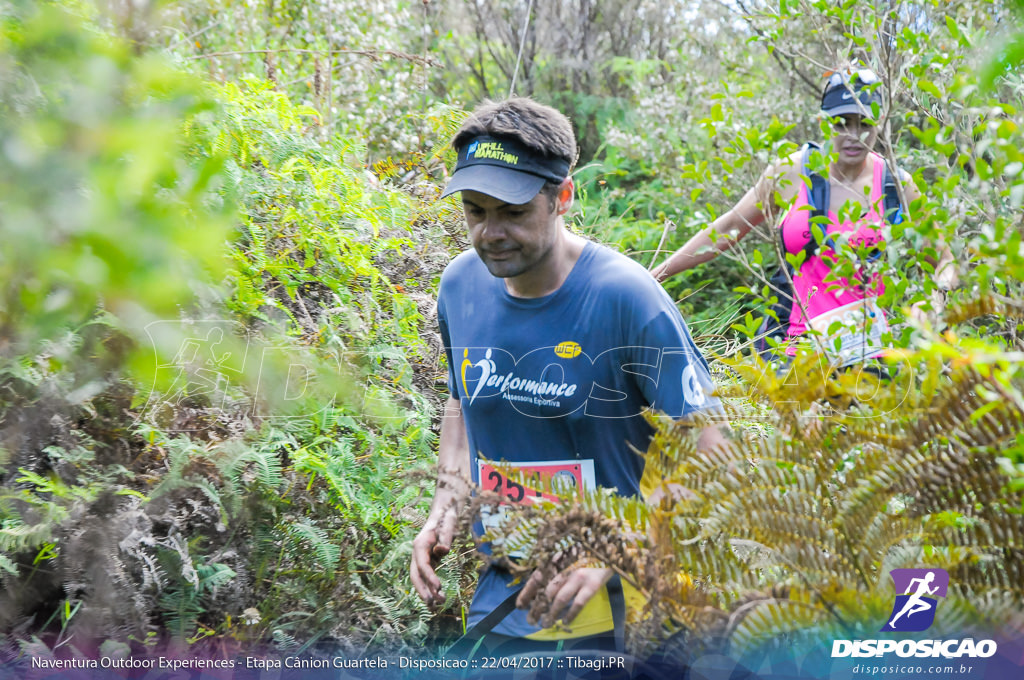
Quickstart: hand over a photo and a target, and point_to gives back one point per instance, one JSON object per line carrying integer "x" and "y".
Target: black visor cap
{"x": 504, "y": 169}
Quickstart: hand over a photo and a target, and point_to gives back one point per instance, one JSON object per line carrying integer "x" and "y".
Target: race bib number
{"x": 551, "y": 477}
{"x": 853, "y": 332}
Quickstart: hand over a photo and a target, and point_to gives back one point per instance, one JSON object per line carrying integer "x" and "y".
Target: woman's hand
{"x": 660, "y": 273}
{"x": 929, "y": 312}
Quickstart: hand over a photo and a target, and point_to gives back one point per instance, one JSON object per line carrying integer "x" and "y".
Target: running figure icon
{"x": 916, "y": 599}
{"x": 915, "y": 604}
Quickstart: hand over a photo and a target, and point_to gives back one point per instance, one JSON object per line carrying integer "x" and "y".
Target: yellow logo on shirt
{"x": 568, "y": 350}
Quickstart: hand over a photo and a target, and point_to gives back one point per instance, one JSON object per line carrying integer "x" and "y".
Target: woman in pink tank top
{"x": 855, "y": 176}
{"x": 816, "y": 289}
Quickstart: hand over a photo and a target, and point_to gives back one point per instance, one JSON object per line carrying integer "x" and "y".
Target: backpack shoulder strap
{"x": 891, "y": 198}
{"x": 818, "y": 194}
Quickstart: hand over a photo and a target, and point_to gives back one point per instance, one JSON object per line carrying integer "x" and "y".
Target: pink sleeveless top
{"x": 813, "y": 284}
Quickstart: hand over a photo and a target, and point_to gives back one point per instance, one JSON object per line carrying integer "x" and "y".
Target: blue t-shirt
{"x": 560, "y": 383}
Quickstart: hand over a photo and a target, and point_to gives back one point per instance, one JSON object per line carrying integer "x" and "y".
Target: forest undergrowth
{"x": 220, "y": 375}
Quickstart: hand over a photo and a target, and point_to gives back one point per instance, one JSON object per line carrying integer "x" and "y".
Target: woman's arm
{"x": 759, "y": 202}
{"x": 945, "y": 276}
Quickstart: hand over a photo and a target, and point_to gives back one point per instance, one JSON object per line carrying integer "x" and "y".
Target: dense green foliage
{"x": 199, "y": 440}
{"x": 219, "y": 245}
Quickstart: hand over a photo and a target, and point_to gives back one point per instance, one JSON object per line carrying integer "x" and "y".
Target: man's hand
{"x": 435, "y": 538}
{"x": 432, "y": 543}
{"x": 572, "y": 588}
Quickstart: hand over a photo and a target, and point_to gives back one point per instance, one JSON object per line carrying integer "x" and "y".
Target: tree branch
{"x": 372, "y": 54}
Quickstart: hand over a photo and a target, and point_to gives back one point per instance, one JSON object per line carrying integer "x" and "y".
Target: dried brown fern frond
{"x": 797, "y": 527}
{"x": 989, "y": 304}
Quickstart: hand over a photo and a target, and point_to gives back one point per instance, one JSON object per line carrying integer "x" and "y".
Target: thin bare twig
{"x": 372, "y": 54}
{"x": 185, "y": 40}
{"x": 669, "y": 224}
{"x": 774, "y": 50}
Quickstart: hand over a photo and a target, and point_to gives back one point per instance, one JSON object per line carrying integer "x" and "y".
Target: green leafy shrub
{"x": 102, "y": 208}
{"x": 107, "y": 222}
{"x": 206, "y": 493}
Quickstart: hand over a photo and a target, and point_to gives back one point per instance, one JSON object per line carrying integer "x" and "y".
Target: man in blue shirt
{"x": 556, "y": 348}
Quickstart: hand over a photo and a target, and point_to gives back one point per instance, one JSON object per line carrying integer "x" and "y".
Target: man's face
{"x": 854, "y": 137}
{"x": 511, "y": 239}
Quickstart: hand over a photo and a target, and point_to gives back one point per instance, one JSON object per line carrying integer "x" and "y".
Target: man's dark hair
{"x": 539, "y": 128}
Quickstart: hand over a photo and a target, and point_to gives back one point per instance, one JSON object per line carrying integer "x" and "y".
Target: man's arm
{"x": 712, "y": 437}
{"x": 573, "y": 588}
{"x": 435, "y": 538}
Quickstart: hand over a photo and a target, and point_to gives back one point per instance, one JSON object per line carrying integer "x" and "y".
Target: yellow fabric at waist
{"x": 595, "y": 617}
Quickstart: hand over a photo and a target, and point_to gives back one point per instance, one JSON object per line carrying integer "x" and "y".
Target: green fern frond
{"x": 310, "y": 539}
{"x": 17, "y": 536}
{"x": 7, "y": 564}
